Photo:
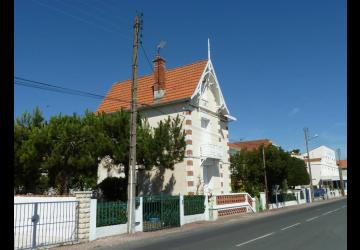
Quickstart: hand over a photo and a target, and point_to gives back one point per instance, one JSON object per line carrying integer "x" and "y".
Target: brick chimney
{"x": 159, "y": 77}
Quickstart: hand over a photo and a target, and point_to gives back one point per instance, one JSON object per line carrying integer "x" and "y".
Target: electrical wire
{"x": 54, "y": 88}
{"x": 80, "y": 19}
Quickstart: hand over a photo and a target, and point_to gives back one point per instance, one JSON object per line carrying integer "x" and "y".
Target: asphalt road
{"x": 318, "y": 227}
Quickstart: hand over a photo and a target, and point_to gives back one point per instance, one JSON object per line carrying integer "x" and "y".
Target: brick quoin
{"x": 190, "y": 173}
{"x": 188, "y": 112}
{"x": 189, "y": 142}
{"x": 190, "y": 193}
{"x": 221, "y": 174}
{"x": 189, "y": 152}
{"x": 222, "y": 184}
{"x": 188, "y": 122}
{"x": 190, "y": 183}
{"x": 189, "y": 132}
{"x": 189, "y": 163}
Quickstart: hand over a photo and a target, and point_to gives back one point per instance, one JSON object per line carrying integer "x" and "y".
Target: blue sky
{"x": 281, "y": 64}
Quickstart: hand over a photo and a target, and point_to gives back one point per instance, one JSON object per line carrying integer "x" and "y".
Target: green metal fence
{"x": 112, "y": 212}
{"x": 194, "y": 204}
{"x": 160, "y": 211}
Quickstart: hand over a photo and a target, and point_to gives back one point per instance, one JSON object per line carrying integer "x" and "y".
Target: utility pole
{"x": 266, "y": 187}
{"x": 132, "y": 158}
{"x": 340, "y": 174}
{"x": 306, "y": 131}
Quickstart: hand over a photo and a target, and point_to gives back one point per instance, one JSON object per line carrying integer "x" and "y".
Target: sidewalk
{"x": 124, "y": 239}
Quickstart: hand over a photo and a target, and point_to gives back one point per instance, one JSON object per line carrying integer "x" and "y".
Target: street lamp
{"x": 307, "y": 139}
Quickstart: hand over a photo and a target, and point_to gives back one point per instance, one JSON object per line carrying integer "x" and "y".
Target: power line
{"x": 87, "y": 13}
{"x": 103, "y": 3}
{"x": 54, "y": 88}
{"x": 79, "y": 18}
{"x": 146, "y": 56}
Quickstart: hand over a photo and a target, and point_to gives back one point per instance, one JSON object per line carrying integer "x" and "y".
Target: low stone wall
{"x": 239, "y": 210}
{"x": 185, "y": 219}
{"x": 194, "y": 218}
{"x": 111, "y": 230}
{"x": 237, "y": 203}
{"x": 99, "y": 232}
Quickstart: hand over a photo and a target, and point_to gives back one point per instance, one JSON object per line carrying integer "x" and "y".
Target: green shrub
{"x": 114, "y": 189}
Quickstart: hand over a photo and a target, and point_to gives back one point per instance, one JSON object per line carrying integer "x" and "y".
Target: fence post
{"x": 206, "y": 203}
{"x": 93, "y": 207}
{"x": 263, "y": 200}
{"x": 84, "y": 198}
{"x": 35, "y": 220}
{"x": 139, "y": 217}
{"x": 182, "y": 214}
{"x": 213, "y": 208}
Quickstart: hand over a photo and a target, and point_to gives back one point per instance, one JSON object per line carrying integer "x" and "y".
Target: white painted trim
{"x": 230, "y": 206}
{"x": 92, "y": 230}
{"x": 111, "y": 230}
{"x": 193, "y": 218}
{"x": 209, "y": 69}
{"x": 182, "y": 217}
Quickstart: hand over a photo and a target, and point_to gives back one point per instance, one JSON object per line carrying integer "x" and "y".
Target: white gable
{"x": 207, "y": 87}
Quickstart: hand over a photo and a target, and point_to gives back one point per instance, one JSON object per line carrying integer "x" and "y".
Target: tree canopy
{"x": 64, "y": 152}
{"x": 247, "y": 170}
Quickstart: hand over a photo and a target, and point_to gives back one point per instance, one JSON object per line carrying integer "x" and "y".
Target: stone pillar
{"x": 84, "y": 198}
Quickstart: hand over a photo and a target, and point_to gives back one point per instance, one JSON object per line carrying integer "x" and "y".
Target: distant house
{"x": 193, "y": 92}
{"x": 324, "y": 170}
{"x": 248, "y": 145}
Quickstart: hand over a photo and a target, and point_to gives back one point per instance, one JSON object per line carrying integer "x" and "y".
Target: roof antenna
{"x": 160, "y": 46}
{"x": 208, "y": 48}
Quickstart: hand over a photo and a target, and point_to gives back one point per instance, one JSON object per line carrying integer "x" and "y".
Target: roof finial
{"x": 208, "y": 48}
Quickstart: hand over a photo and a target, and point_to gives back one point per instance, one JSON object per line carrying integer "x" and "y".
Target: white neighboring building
{"x": 193, "y": 92}
{"x": 324, "y": 169}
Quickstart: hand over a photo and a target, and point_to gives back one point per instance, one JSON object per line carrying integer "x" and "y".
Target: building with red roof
{"x": 193, "y": 92}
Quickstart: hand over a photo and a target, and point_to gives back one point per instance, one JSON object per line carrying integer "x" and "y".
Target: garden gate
{"x": 160, "y": 211}
{"x": 39, "y": 224}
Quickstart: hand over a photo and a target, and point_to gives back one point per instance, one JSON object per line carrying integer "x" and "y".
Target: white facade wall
{"x": 178, "y": 176}
{"x": 326, "y": 168}
{"x": 107, "y": 169}
{"x": 196, "y": 174}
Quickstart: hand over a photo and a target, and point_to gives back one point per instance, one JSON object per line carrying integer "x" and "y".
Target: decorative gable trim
{"x": 209, "y": 71}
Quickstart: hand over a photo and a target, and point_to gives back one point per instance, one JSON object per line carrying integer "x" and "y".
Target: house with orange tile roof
{"x": 193, "y": 92}
{"x": 248, "y": 145}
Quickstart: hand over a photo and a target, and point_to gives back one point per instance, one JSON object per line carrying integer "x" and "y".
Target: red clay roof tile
{"x": 180, "y": 83}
